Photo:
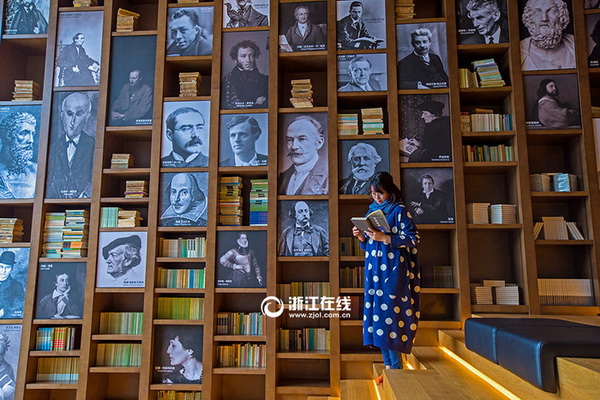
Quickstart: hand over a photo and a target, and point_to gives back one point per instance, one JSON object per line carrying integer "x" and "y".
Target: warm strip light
{"x": 376, "y": 391}
{"x": 409, "y": 366}
{"x": 480, "y": 374}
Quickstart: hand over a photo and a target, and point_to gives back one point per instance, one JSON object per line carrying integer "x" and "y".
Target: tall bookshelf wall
{"x": 475, "y": 252}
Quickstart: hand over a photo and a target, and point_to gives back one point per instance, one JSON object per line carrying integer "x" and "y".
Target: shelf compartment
{"x": 239, "y": 338}
{"x": 478, "y": 167}
{"x": 486, "y": 95}
{"x": 500, "y": 227}
{"x": 59, "y": 260}
{"x": 303, "y": 386}
{"x": 499, "y": 309}
{"x": 125, "y": 200}
{"x": 239, "y": 371}
{"x": 55, "y": 321}
{"x": 305, "y": 354}
{"x": 571, "y": 310}
{"x": 182, "y": 229}
{"x": 303, "y": 259}
{"x": 62, "y": 353}
{"x": 127, "y": 171}
{"x": 115, "y": 370}
{"x": 178, "y": 291}
{"x": 51, "y": 386}
{"x": 178, "y": 322}
{"x": 564, "y": 242}
{"x": 240, "y": 290}
{"x": 178, "y": 387}
{"x": 180, "y": 259}
{"x": 108, "y": 336}
{"x": 558, "y": 196}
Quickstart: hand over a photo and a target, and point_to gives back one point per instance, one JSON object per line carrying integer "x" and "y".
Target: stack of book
{"x": 477, "y": 213}
{"x": 540, "y": 182}
{"x": 372, "y": 121}
{"x": 350, "y": 246}
{"x": 565, "y": 292}
{"x": 178, "y": 394}
{"x": 242, "y": 355}
{"x": 405, "y": 9}
{"x": 119, "y": 355}
{"x": 301, "y": 93}
{"x": 438, "y": 276}
{"x": 230, "y": 201}
{"x": 11, "y": 230}
{"x": 135, "y": 189}
{"x": 121, "y": 323}
{"x": 26, "y": 91}
{"x": 486, "y": 152}
{"x": 484, "y": 120}
{"x": 481, "y": 294}
{"x": 507, "y": 295}
{"x": 259, "y": 198}
{"x": 564, "y": 182}
{"x": 489, "y": 75}
{"x": 58, "y": 338}
{"x": 352, "y": 277}
{"x": 467, "y": 79}
{"x": 85, "y": 3}
{"x": 75, "y": 234}
{"x": 250, "y": 324}
{"x": 121, "y": 161}
{"x": 503, "y": 213}
{"x": 53, "y": 234}
{"x": 189, "y": 84}
{"x": 183, "y": 247}
{"x": 180, "y": 308}
{"x": 495, "y": 292}
{"x": 114, "y": 217}
{"x": 347, "y": 124}
{"x": 57, "y": 369}
{"x": 180, "y": 278}
{"x": 126, "y": 20}
{"x": 556, "y": 228}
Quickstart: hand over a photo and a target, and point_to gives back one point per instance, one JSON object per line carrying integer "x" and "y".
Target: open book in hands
{"x": 375, "y": 221}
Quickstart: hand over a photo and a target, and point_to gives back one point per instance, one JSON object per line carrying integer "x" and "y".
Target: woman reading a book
{"x": 392, "y": 276}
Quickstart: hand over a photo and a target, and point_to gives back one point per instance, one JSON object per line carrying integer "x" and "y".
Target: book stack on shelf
{"x": 85, "y": 3}
{"x": 553, "y": 182}
{"x": 183, "y": 247}
{"x": 119, "y": 355}
{"x": 565, "y": 292}
{"x": 304, "y": 339}
{"x": 136, "y": 189}
{"x": 437, "y": 276}
{"x": 180, "y": 308}
{"x": 121, "y": 161}
{"x": 230, "y": 201}
{"x": 350, "y": 246}
{"x": 507, "y": 295}
{"x": 503, "y": 214}
{"x": 259, "y": 199}
{"x": 247, "y": 324}
{"x": 189, "y": 84}
{"x": 484, "y": 120}
{"x": 301, "y": 93}
{"x": 121, "y": 323}
{"x": 55, "y": 338}
{"x": 53, "y": 234}
{"x": 115, "y": 217}
{"x": 372, "y": 121}
{"x": 11, "y": 230}
{"x": 352, "y": 277}
{"x": 58, "y": 369}
{"x": 176, "y": 394}
{"x": 556, "y": 228}
{"x": 180, "y": 278}
{"x": 126, "y": 20}
{"x": 481, "y": 294}
{"x": 303, "y": 289}
{"x": 75, "y": 234}
{"x": 495, "y": 292}
{"x": 489, "y": 75}
{"x": 26, "y": 91}
{"x": 486, "y": 152}
{"x": 404, "y": 9}
{"x": 477, "y": 213}
{"x": 347, "y": 124}
{"x": 248, "y": 355}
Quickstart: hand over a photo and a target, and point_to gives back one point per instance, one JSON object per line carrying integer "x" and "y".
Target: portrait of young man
{"x": 429, "y": 194}
{"x": 190, "y": 31}
{"x": 244, "y": 140}
{"x": 60, "y": 290}
{"x": 552, "y": 101}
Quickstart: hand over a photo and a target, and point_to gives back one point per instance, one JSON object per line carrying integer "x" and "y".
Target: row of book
{"x": 66, "y": 234}
{"x": 304, "y": 339}
{"x": 189, "y": 84}
{"x": 484, "y": 121}
{"x": 556, "y": 228}
{"x": 230, "y": 201}
{"x": 259, "y": 197}
{"x": 26, "y": 90}
{"x": 352, "y": 277}
{"x": 485, "y": 213}
{"x": 437, "y": 276}
{"x": 304, "y": 289}
{"x": 115, "y": 217}
{"x": 176, "y": 394}
{"x": 553, "y": 182}
{"x": 55, "y": 338}
{"x": 301, "y": 93}
{"x": 58, "y": 369}
{"x": 483, "y": 73}
{"x": 183, "y": 247}
{"x": 121, "y": 161}
{"x": 350, "y": 246}
{"x": 486, "y": 152}
{"x": 136, "y": 189}
{"x": 121, "y": 323}
{"x": 180, "y": 278}
{"x": 180, "y": 308}
{"x": 495, "y": 292}
{"x": 565, "y": 292}
{"x": 11, "y": 230}
{"x": 119, "y": 355}
{"x": 372, "y": 122}
{"x": 235, "y": 323}
{"x": 252, "y": 355}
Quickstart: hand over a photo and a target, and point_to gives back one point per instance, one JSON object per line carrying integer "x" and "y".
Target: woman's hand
{"x": 357, "y": 233}
{"x": 379, "y": 236}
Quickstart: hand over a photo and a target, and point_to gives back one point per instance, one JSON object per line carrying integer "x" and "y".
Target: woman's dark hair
{"x": 383, "y": 181}
{"x": 189, "y": 342}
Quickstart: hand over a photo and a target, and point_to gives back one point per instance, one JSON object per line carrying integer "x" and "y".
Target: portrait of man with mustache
{"x": 186, "y": 129}
{"x": 184, "y": 199}
{"x": 363, "y": 159}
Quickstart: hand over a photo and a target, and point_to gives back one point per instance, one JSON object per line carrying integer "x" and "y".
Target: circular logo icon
{"x": 264, "y": 306}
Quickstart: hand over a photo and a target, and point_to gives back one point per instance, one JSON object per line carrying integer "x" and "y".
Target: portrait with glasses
{"x": 359, "y": 161}
{"x": 185, "y": 141}
{"x": 362, "y": 72}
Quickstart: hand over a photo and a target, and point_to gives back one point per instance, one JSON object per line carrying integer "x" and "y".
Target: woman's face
{"x": 177, "y": 354}
{"x": 379, "y": 196}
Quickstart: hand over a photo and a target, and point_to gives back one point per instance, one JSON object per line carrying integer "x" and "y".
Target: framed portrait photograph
{"x": 26, "y": 17}
{"x": 14, "y": 263}
{"x": 185, "y": 137}
{"x": 122, "y": 259}
{"x": 429, "y": 194}
{"x": 416, "y": 42}
{"x": 245, "y": 13}
{"x": 245, "y": 70}
{"x": 591, "y": 4}
{"x": 361, "y": 25}
{"x": 19, "y": 143}
{"x": 482, "y": 21}
{"x": 72, "y": 140}
{"x": 190, "y": 31}
{"x": 592, "y": 24}
{"x": 244, "y": 140}
{"x": 303, "y": 228}
{"x": 302, "y": 26}
{"x": 10, "y": 345}
{"x": 358, "y": 161}
{"x": 60, "y": 290}
{"x": 552, "y": 101}
{"x": 78, "y": 49}
{"x": 184, "y": 199}
{"x": 241, "y": 259}
{"x": 303, "y": 143}
{"x": 178, "y": 354}
{"x": 131, "y": 87}
{"x": 362, "y": 72}
{"x": 425, "y": 130}
{"x": 546, "y": 43}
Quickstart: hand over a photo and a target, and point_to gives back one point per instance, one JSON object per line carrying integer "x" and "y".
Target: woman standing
{"x": 392, "y": 276}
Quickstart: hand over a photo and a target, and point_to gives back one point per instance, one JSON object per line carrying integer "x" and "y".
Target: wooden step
{"x": 357, "y": 389}
{"x": 579, "y": 378}
{"x": 322, "y": 398}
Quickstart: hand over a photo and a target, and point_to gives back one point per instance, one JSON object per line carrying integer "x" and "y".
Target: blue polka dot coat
{"x": 392, "y": 285}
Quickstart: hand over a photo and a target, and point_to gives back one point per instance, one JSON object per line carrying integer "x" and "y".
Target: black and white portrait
{"x": 422, "y": 56}
{"x": 10, "y": 343}
{"x": 359, "y": 160}
{"x": 425, "y": 128}
{"x": 79, "y": 49}
{"x": 14, "y": 264}
{"x": 244, "y": 140}
{"x": 190, "y": 31}
{"x": 19, "y": 141}
{"x": 60, "y": 290}
{"x": 362, "y": 72}
{"x": 26, "y": 17}
{"x": 241, "y": 259}
{"x": 245, "y": 70}
{"x": 185, "y": 139}
{"x": 178, "y": 354}
{"x": 482, "y": 22}
{"x": 245, "y": 13}
{"x": 72, "y": 139}
{"x": 303, "y": 26}
{"x": 303, "y": 165}
{"x": 547, "y": 40}
{"x": 122, "y": 259}
{"x": 552, "y": 101}
{"x": 592, "y": 23}
{"x": 303, "y": 228}
{"x": 429, "y": 194}
{"x": 184, "y": 199}
{"x": 361, "y": 25}
{"x": 131, "y": 80}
